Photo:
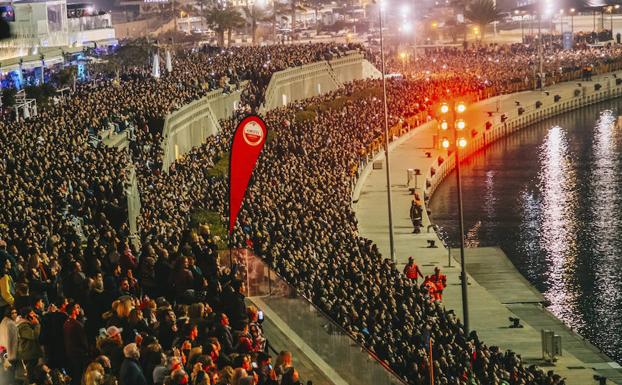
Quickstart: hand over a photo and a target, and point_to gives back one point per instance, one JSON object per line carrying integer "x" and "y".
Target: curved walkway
{"x": 501, "y": 291}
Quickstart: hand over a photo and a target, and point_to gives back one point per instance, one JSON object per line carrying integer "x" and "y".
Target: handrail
{"x": 341, "y": 328}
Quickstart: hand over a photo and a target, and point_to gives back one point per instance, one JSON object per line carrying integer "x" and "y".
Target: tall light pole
{"x": 386, "y": 137}
{"x": 617, "y": 6}
{"x": 561, "y": 23}
{"x": 522, "y": 31}
{"x": 540, "y": 42}
{"x": 459, "y": 142}
{"x": 572, "y": 24}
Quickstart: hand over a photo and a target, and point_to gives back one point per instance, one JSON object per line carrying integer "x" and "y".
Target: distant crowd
{"x": 86, "y": 302}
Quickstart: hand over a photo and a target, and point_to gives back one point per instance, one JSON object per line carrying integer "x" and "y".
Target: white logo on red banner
{"x": 252, "y": 134}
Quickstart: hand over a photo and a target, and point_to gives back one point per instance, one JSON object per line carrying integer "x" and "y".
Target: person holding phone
{"x": 255, "y": 328}
{"x": 28, "y": 347}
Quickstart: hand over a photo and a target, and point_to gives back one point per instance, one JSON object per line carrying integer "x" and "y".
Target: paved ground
{"x": 487, "y": 292}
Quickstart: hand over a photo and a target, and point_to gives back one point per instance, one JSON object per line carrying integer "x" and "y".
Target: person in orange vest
{"x": 440, "y": 281}
{"x": 432, "y": 289}
{"x": 411, "y": 270}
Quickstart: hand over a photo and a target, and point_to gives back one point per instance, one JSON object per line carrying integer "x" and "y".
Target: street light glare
{"x": 445, "y": 143}
{"x": 460, "y": 107}
{"x": 444, "y": 125}
{"x": 444, "y": 108}
{"x": 462, "y": 142}
{"x": 460, "y": 124}
{"x": 405, "y": 9}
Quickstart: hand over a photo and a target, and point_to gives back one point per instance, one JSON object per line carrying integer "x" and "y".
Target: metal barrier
{"x": 343, "y": 351}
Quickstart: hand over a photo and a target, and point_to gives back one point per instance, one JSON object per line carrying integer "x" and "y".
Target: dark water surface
{"x": 551, "y": 197}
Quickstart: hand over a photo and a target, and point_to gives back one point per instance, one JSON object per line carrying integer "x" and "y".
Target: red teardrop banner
{"x": 248, "y": 141}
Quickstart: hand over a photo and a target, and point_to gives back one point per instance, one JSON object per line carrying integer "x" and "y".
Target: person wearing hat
{"x": 110, "y": 344}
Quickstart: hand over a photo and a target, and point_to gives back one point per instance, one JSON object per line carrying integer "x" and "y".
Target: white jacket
{"x": 8, "y": 337}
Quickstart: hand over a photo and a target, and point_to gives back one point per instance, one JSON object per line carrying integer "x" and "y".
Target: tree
{"x": 316, "y": 5}
{"x": 482, "y": 13}
{"x": 278, "y": 10}
{"x": 202, "y": 4}
{"x": 224, "y": 20}
{"x": 295, "y": 6}
{"x": 255, "y": 14}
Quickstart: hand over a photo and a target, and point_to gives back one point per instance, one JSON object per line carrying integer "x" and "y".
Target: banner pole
{"x": 230, "y": 255}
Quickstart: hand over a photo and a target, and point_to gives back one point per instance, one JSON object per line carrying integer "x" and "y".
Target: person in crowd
{"x": 52, "y": 335}
{"x": 110, "y": 344}
{"x": 28, "y": 347}
{"x": 8, "y": 339}
{"x": 76, "y": 345}
{"x": 131, "y": 372}
{"x": 7, "y": 286}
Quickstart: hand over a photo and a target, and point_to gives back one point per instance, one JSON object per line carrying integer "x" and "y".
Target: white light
{"x": 405, "y": 9}
{"x": 407, "y": 27}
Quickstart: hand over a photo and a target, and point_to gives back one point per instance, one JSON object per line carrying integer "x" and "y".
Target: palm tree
{"x": 255, "y": 14}
{"x": 295, "y": 6}
{"x": 202, "y": 4}
{"x": 224, "y": 20}
{"x": 482, "y": 13}
{"x": 278, "y": 9}
{"x": 316, "y": 5}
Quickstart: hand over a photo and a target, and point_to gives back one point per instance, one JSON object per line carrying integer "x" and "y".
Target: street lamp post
{"x": 561, "y": 23}
{"x": 540, "y": 42}
{"x": 522, "y": 31}
{"x": 386, "y": 138}
{"x": 572, "y": 23}
{"x": 611, "y": 20}
{"x": 459, "y": 142}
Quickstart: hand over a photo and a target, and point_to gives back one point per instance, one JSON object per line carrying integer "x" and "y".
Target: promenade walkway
{"x": 496, "y": 290}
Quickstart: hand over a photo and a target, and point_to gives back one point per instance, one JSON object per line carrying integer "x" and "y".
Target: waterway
{"x": 550, "y": 196}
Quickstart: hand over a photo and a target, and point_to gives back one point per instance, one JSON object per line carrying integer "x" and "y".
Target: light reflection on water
{"x": 556, "y": 183}
{"x": 605, "y": 224}
{"x": 551, "y": 197}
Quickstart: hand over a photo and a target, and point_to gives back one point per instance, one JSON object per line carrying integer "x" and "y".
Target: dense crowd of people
{"x": 84, "y": 303}
{"x": 66, "y": 251}
{"x": 508, "y": 68}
